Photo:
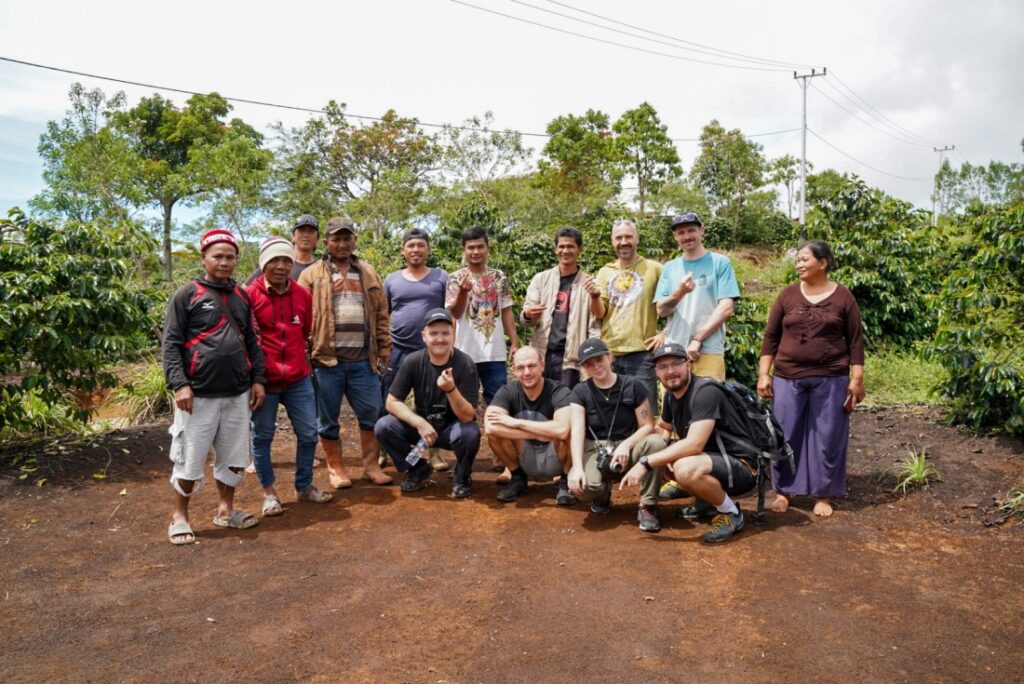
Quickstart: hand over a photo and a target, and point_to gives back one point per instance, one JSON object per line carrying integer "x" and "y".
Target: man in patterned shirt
{"x": 481, "y": 303}
{"x": 350, "y": 347}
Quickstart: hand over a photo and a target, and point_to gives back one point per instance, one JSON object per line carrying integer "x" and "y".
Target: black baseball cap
{"x": 306, "y": 220}
{"x": 340, "y": 223}
{"x": 437, "y": 315}
{"x": 689, "y": 218}
{"x": 416, "y": 234}
{"x": 591, "y": 349}
{"x": 670, "y": 349}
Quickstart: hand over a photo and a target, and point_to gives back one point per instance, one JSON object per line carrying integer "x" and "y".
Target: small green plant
{"x": 914, "y": 471}
{"x": 1014, "y": 503}
{"x": 146, "y": 396}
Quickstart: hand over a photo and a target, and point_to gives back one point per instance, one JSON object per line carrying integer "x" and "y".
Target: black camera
{"x": 607, "y": 464}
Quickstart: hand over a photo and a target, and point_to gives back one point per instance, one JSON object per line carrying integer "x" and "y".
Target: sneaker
{"x": 564, "y": 496}
{"x": 670, "y": 490}
{"x": 701, "y": 510}
{"x": 723, "y": 526}
{"x": 462, "y": 488}
{"x": 647, "y": 516}
{"x": 437, "y": 460}
{"x": 511, "y": 491}
{"x": 602, "y": 505}
{"x": 416, "y": 477}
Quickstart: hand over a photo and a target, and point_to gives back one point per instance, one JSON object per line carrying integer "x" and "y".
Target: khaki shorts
{"x": 220, "y": 423}
{"x": 710, "y": 365}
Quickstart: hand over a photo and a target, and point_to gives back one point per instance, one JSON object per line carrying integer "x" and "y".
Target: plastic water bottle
{"x": 417, "y": 453}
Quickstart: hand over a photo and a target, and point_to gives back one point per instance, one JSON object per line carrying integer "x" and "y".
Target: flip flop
{"x": 239, "y": 520}
{"x": 180, "y": 528}
{"x": 313, "y": 494}
{"x": 271, "y": 506}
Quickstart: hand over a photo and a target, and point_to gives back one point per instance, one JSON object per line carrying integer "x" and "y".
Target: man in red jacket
{"x": 283, "y": 312}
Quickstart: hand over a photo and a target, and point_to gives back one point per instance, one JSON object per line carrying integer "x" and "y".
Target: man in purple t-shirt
{"x": 411, "y": 293}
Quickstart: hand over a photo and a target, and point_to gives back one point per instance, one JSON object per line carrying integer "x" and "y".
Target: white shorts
{"x": 539, "y": 460}
{"x": 218, "y": 422}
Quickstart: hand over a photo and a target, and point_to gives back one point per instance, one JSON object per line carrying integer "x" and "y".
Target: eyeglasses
{"x": 622, "y": 222}
{"x": 678, "y": 363}
{"x": 689, "y": 217}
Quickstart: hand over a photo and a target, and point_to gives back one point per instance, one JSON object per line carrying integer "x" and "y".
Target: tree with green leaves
{"x": 90, "y": 170}
{"x": 176, "y": 148}
{"x": 69, "y": 306}
{"x": 377, "y": 172}
{"x": 728, "y": 168}
{"x": 785, "y": 171}
{"x": 646, "y": 151}
{"x": 581, "y": 158}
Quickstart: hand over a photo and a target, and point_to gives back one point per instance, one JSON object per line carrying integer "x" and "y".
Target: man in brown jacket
{"x": 350, "y": 346}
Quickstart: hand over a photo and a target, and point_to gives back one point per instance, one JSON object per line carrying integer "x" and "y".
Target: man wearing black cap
{"x": 696, "y": 293}
{"x": 698, "y": 410}
{"x": 446, "y": 388}
{"x": 305, "y": 235}
{"x": 350, "y": 344}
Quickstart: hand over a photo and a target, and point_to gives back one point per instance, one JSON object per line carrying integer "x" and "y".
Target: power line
{"x": 867, "y": 123}
{"x": 244, "y": 100}
{"x": 310, "y": 110}
{"x": 637, "y": 35}
{"x": 613, "y": 43}
{"x": 723, "y": 53}
{"x": 873, "y": 168}
{"x": 869, "y": 108}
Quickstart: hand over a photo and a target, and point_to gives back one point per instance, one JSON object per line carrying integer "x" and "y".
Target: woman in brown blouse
{"x": 813, "y": 338}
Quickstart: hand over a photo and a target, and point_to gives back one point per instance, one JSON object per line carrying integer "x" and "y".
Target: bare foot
{"x": 823, "y": 508}
{"x": 780, "y": 504}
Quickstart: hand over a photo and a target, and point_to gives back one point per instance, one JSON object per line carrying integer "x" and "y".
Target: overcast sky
{"x": 944, "y": 73}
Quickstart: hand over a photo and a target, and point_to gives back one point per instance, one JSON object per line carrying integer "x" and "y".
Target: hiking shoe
{"x": 723, "y": 526}
{"x": 700, "y": 510}
{"x": 511, "y": 491}
{"x": 647, "y": 516}
{"x": 670, "y": 490}
{"x": 564, "y": 496}
{"x": 416, "y": 477}
{"x": 437, "y": 461}
{"x": 603, "y": 504}
{"x": 462, "y": 488}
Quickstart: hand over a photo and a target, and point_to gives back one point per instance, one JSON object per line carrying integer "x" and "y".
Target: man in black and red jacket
{"x": 214, "y": 365}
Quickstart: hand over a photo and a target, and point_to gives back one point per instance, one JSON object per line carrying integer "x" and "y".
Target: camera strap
{"x": 615, "y": 411}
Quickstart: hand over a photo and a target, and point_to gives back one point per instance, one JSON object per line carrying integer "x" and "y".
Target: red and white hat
{"x": 215, "y": 235}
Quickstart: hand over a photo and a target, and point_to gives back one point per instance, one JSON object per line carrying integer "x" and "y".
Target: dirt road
{"x": 377, "y": 586}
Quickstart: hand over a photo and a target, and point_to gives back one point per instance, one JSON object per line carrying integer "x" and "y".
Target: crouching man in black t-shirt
{"x": 527, "y": 425}
{"x": 699, "y": 412}
{"x": 446, "y": 389}
{"x": 612, "y": 420}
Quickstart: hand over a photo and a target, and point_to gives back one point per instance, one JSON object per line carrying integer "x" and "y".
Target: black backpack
{"x": 762, "y": 436}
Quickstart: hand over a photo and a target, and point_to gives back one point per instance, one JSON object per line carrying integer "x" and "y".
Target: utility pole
{"x": 935, "y": 193}
{"x": 803, "y": 78}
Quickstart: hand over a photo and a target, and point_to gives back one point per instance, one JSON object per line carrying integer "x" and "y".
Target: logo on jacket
{"x": 208, "y": 306}
{"x": 295, "y": 320}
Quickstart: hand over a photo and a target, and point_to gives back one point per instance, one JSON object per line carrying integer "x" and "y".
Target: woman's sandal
{"x": 239, "y": 520}
{"x": 313, "y": 494}
{"x": 271, "y": 506}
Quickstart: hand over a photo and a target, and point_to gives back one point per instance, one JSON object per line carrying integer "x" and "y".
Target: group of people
{"x": 306, "y": 332}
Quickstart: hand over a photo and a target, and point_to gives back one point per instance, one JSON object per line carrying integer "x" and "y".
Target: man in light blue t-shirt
{"x": 695, "y": 293}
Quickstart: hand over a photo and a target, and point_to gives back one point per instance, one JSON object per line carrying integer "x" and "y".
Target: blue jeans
{"x": 354, "y": 380}
{"x": 641, "y": 366}
{"x": 300, "y": 403}
{"x": 398, "y": 439}
{"x": 493, "y": 376}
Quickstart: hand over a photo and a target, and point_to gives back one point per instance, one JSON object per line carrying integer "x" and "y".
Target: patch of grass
{"x": 900, "y": 377}
{"x": 1014, "y": 502}
{"x": 762, "y": 274}
{"x": 146, "y": 396}
{"x": 914, "y": 471}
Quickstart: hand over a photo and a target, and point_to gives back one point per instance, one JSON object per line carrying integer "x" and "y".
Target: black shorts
{"x": 744, "y": 478}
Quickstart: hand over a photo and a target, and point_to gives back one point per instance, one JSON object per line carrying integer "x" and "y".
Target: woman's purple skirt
{"x": 818, "y": 428}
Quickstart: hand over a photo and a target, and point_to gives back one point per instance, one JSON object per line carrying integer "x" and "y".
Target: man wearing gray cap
{"x": 350, "y": 344}
{"x": 446, "y": 389}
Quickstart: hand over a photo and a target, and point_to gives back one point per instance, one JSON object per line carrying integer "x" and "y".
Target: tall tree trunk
{"x": 168, "y": 265}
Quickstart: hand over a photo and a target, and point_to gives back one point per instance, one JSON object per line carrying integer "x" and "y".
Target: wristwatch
{"x": 645, "y": 461}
